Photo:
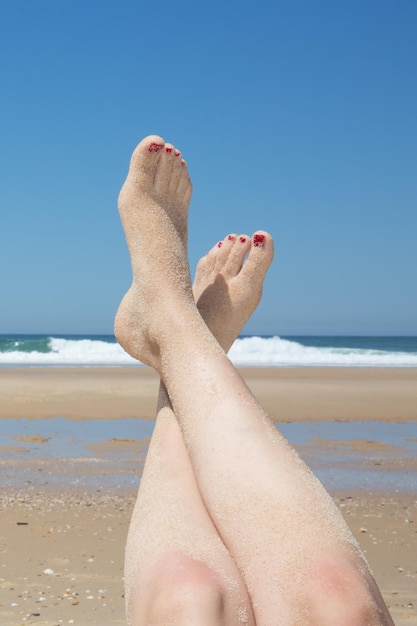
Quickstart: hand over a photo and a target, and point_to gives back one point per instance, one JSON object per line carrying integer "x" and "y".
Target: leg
{"x": 177, "y": 569}
{"x": 171, "y": 563}
{"x": 297, "y": 557}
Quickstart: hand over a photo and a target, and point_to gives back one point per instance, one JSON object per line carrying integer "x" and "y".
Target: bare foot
{"x": 226, "y": 289}
{"x": 153, "y": 206}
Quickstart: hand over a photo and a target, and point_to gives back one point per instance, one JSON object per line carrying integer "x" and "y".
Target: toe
{"x": 213, "y": 263}
{"x": 211, "y": 258}
{"x": 223, "y": 252}
{"x": 219, "y": 253}
{"x": 147, "y": 152}
{"x": 164, "y": 172}
{"x": 260, "y": 254}
{"x": 241, "y": 247}
{"x": 204, "y": 267}
{"x": 177, "y": 172}
{"x": 144, "y": 161}
{"x": 184, "y": 182}
{"x": 142, "y": 169}
{"x": 187, "y": 195}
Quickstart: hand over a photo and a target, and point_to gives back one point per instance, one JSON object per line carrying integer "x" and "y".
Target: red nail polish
{"x": 168, "y": 150}
{"x": 177, "y": 153}
{"x": 219, "y": 245}
{"x": 258, "y": 240}
{"x": 230, "y": 238}
{"x": 242, "y": 239}
{"x": 155, "y": 147}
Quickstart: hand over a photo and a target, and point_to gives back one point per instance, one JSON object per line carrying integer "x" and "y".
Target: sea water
{"x": 337, "y": 467}
{"x": 262, "y": 351}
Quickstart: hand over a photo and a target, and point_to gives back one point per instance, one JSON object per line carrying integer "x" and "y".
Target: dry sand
{"x": 61, "y": 555}
{"x": 61, "y": 552}
{"x": 286, "y": 394}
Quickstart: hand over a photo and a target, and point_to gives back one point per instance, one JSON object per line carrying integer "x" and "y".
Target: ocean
{"x": 254, "y": 351}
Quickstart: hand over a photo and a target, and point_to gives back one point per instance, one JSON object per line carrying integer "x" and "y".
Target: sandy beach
{"x": 61, "y": 545}
{"x": 287, "y": 394}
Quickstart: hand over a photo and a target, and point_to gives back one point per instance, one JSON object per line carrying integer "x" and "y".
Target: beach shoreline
{"x": 62, "y": 545}
{"x": 287, "y": 394}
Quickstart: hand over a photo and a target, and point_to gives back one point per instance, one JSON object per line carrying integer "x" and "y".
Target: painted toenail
{"x": 258, "y": 240}
{"x": 155, "y": 147}
{"x": 168, "y": 150}
{"x": 219, "y": 245}
{"x": 230, "y": 238}
{"x": 242, "y": 239}
{"x": 177, "y": 153}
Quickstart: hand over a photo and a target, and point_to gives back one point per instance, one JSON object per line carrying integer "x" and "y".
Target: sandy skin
{"x": 299, "y": 564}
{"x": 227, "y": 289}
{"x": 171, "y": 533}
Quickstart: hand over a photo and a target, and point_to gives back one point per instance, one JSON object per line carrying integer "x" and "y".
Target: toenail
{"x": 155, "y": 147}
{"x": 258, "y": 240}
{"x": 177, "y": 153}
{"x": 230, "y": 238}
{"x": 219, "y": 245}
{"x": 168, "y": 149}
{"x": 242, "y": 239}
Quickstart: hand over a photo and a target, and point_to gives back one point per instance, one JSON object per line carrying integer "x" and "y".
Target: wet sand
{"x": 61, "y": 547}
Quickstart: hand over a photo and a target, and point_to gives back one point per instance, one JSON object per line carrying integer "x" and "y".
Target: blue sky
{"x": 295, "y": 117}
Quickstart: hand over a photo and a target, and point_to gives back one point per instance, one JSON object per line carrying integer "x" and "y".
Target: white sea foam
{"x": 71, "y": 352}
{"x": 247, "y": 351}
{"x": 274, "y": 351}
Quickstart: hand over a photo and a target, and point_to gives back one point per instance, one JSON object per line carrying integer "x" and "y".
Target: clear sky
{"x": 298, "y": 117}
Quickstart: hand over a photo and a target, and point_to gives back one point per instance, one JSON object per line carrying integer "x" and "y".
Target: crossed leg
{"x": 177, "y": 568}
{"x": 296, "y": 555}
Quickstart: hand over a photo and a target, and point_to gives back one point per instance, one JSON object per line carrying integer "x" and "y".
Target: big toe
{"x": 260, "y": 254}
{"x": 149, "y": 145}
{"x": 144, "y": 160}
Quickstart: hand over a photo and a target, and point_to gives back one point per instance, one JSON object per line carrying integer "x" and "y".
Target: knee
{"x": 339, "y": 594}
{"x": 186, "y": 591}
